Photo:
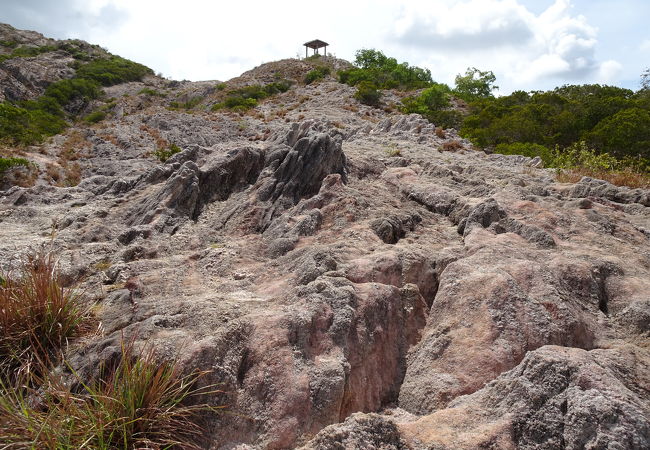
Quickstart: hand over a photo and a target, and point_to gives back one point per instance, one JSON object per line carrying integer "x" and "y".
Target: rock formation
{"x": 342, "y": 297}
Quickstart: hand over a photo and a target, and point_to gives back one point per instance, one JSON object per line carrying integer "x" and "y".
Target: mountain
{"x": 350, "y": 276}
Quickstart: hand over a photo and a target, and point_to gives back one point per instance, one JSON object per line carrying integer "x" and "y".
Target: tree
{"x": 475, "y": 84}
{"x": 645, "y": 79}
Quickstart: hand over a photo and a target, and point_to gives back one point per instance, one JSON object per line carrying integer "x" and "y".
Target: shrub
{"x": 151, "y": 92}
{"x": 37, "y": 314}
{"x": 433, "y": 104}
{"x": 163, "y": 154}
{"x": 452, "y": 146}
{"x": 475, "y": 84}
{"x": 317, "y": 74}
{"x": 527, "y": 149}
{"x": 246, "y": 97}
{"x": 368, "y": 94}
{"x": 385, "y": 72}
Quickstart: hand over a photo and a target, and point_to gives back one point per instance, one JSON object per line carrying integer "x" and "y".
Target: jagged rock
{"x": 393, "y": 228}
{"x": 512, "y": 311}
{"x": 555, "y": 398}
{"x": 589, "y": 187}
{"x": 359, "y": 431}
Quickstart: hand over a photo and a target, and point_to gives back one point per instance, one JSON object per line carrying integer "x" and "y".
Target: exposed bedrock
{"x": 555, "y": 398}
{"x": 483, "y": 322}
{"x": 339, "y": 348}
{"x": 275, "y": 178}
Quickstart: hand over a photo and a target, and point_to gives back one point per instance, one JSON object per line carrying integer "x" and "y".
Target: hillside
{"x": 349, "y": 276}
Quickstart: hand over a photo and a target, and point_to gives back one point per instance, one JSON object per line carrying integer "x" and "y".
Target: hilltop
{"x": 350, "y": 276}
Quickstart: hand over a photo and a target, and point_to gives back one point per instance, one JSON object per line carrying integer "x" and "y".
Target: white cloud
{"x": 645, "y": 45}
{"x": 522, "y": 48}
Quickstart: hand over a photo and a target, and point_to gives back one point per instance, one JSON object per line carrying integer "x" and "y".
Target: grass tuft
{"x": 137, "y": 403}
{"x": 37, "y": 314}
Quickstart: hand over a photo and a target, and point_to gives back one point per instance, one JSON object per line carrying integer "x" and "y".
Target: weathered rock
{"x": 508, "y": 310}
{"x": 362, "y": 431}
{"x": 556, "y": 398}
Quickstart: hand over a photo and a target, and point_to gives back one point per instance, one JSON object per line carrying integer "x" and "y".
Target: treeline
{"x": 608, "y": 119}
{"x": 602, "y": 126}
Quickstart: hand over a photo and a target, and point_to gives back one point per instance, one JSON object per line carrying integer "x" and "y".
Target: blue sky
{"x": 528, "y": 44}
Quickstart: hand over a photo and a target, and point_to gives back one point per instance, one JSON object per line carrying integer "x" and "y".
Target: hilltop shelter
{"x": 315, "y": 45}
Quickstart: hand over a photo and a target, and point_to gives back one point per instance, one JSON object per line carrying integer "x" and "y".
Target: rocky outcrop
{"x": 556, "y": 398}
{"x": 341, "y": 297}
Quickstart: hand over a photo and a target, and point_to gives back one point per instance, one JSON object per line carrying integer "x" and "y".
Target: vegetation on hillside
{"x": 608, "y": 119}
{"x": 29, "y": 122}
{"x": 247, "y": 97}
{"x": 384, "y": 72}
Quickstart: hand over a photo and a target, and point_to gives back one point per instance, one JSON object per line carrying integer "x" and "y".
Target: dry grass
{"x": 159, "y": 141}
{"x": 451, "y": 146}
{"x": 627, "y": 177}
{"x": 137, "y": 403}
{"x": 37, "y": 315}
{"x": 440, "y": 133}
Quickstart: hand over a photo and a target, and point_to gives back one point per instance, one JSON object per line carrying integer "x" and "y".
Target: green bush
{"x": 151, "y": 92}
{"x": 611, "y": 120}
{"x": 317, "y": 74}
{"x": 475, "y": 84}
{"x": 580, "y": 156}
{"x": 247, "y": 97}
{"x": 368, "y": 94}
{"x": 384, "y": 72}
{"x": 66, "y": 91}
{"x": 434, "y": 104}
{"x": 113, "y": 70}
{"x": 26, "y": 52}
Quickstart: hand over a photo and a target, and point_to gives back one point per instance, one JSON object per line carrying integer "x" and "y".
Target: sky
{"x": 528, "y": 44}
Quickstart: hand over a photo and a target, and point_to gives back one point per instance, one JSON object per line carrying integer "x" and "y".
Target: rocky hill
{"x": 349, "y": 275}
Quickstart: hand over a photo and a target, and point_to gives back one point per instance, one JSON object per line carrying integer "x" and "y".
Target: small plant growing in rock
{"x": 95, "y": 116}
{"x": 163, "y": 154}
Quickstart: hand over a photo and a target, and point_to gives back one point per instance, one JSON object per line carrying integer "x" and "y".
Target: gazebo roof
{"x": 316, "y": 43}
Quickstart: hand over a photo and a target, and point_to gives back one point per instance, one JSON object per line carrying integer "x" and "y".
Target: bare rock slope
{"x": 343, "y": 297}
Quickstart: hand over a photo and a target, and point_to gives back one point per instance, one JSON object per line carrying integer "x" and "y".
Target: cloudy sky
{"x": 529, "y": 44}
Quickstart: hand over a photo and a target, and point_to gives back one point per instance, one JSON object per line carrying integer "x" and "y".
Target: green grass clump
{"x": 8, "y": 163}
{"x": 163, "y": 154}
{"x": 151, "y": 92}
{"x": 137, "y": 403}
{"x": 26, "y": 52}
{"x": 317, "y": 74}
{"x": 95, "y": 116}
{"x": 113, "y": 70}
